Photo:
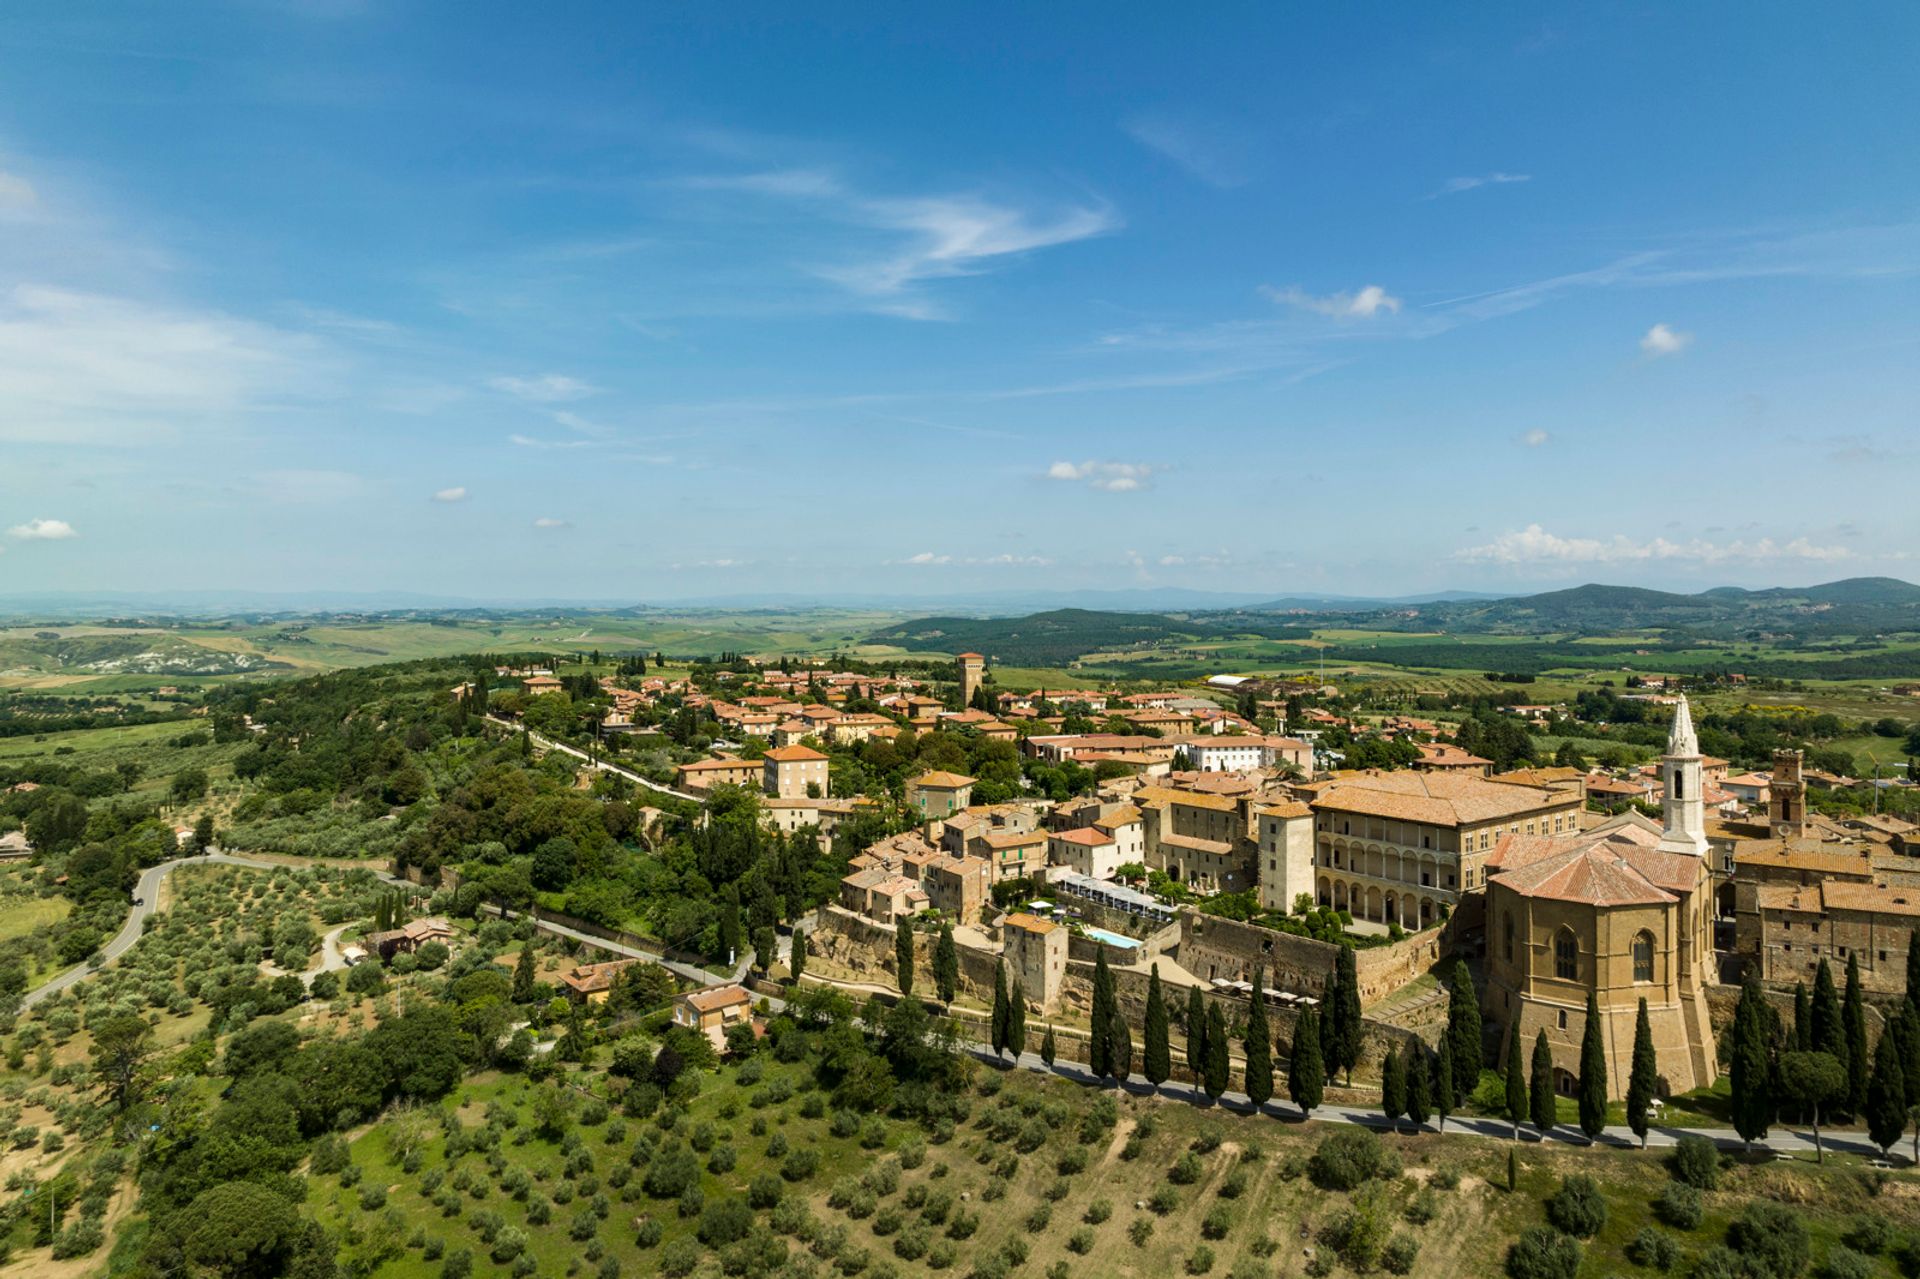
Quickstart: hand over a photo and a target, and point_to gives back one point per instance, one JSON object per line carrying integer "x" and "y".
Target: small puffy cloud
{"x": 548, "y": 521}
{"x": 1363, "y": 305}
{"x": 1534, "y": 545}
{"x": 1661, "y": 340}
{"x": 457, "y": 493}
{"x": 43, "y": 531}
{"x": 928, "y": 557}
{"x": 1535, "y": 438}
{"x": 1107, "y": 477}
{"x": 1454, "y": 186}
{"x": 549, "y": 388}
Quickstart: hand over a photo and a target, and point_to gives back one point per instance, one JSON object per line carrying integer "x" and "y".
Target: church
{"x": 1622, "y": 911}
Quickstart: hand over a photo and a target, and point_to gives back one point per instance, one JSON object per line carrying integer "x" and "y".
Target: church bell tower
{"x": 1683, "y": 810}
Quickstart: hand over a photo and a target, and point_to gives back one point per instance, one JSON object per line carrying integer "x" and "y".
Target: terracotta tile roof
{"x": 793, "y": 754}
{"x": 939, "y": 781}
{"x": 1086, "y": 835}
{"x": 717, "y": 998}
{"x": 1434, "y": 799}
{"x": 1013, "y": 839}
{"x": 1030, "y": 924}
{"x": 1597, "y": 875}
{"x": 1125, "y": 815}
{"x": 1193, "y": 843}
{"x": 1285, "y": 808}
{"x": 1870, "y": 899}
{"x": 1802, "y": 855}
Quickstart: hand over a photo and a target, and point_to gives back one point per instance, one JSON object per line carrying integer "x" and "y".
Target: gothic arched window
{"x": 1566, "y": 956}
{"x": 1643, "y": 956}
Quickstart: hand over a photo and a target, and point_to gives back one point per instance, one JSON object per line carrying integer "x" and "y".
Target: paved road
{"x": 549, "y": 743}
{"x": 148, "y": 892}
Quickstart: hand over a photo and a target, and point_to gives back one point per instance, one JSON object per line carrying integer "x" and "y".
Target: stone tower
{"x": 1787, "y": 797}
{"x": 973, "y": 668}
{"x": 1683, "y": 810}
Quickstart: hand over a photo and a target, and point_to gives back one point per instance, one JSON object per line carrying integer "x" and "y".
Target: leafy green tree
{"x": 120, "y": 1047}
{"x": 1196, "y": 1033}
{"x": 1886, "y": 1105}
{"x": 523, "y": 974}
{"x": 1593, "y": 1072}
{"x": 1853, "y": 1018}
{"x": 766, "y": 948}
{"x": 1749, "y": 1065}
{"x": 1814, "y": 1081}
{"x": 1258, "y": 1045}
{"x": 1464, "y": 1030}
{"x": 946, "y": 965}
{"x": 1156, "y": 1061}
{"x": 997, "y": 1026}
{"x": 1516, "y": 1089}
{"x": 1419, "y": 1084}
{"x": 1306, "y": 1072}
{"x": 1017, "y": 1019}
{"x": 1644, "y": 1077}
{"x": 1540, "y": 1086}
{"x": 1443, "y": 1097}
{"x": 903, "y": 955}
{"x": 1393, "y": 1087}
{"x": 797, "y": 956}
{"x": 1100, "y": 1040}
{"x": 1219, "y": 1064}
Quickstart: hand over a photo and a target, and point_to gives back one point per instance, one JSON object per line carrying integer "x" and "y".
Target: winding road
{"x": 548, "y": 743}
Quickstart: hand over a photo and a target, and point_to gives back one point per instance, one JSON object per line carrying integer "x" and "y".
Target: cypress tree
{"x": 1644, "y": 1078}
{"x": 1443, "y": 1098}
{"x": 523, "y": 974}
{"x": 1100, "y": 1045}
{"x": 1749, "y": 1066}
{"x": 1419, "y": 1084}
{"x": 1119, "y": 1038}
{"x": 797, "y": 956}
{"x": 1017, "y": 1019}
{"x": 1829, "y": 1030}
{"x": 1259, "y": 1045}
{"x": 903, "y": 955}
{"x": 1157, "y": 1059}
{"x": 1306, "y": 1073}
{"x": 1330, "y": 1021}
{"x": 997, "y": 1028}
{"x": 946, "y": 965}
{"x": 1593, "y": 1072}
{"x": 1913, "y": 969}
{"x": 730, "y": 922}
{"x": 1350, "y": 1022}
{"x": 1906, "y": 1032}
{"x": 1540, "y": 1087}
{"x": 1802, "y": 1018}
{"x": 1886, "y": 1105}
{"x": 1196, "y": 1033}
{"x": 1047, "y": 1047}
{"x": 1853, "y": 1017}
{"x": 1464, "y": 1033}
{"x": 1219, "y": 1063}
{"x": 1516, "y": 1093}
{"x": 1393, "y": 1087}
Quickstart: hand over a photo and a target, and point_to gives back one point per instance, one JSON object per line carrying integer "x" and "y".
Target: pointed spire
{"x": 1681, "y": 742}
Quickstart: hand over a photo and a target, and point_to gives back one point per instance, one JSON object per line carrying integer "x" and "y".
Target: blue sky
{"x": 654, "y": 302}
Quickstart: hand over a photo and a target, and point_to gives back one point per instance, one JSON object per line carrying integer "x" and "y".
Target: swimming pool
{"x": 1112, "y": 939}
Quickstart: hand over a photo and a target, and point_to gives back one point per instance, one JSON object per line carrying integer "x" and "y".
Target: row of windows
{"x": 1566, "y": 952}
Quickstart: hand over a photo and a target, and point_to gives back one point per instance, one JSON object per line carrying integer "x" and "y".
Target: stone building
{"x": 973, "y": 669}
{"x": 936, "y": 795}
{"x": 1203, "y": 840}
{"x": 1286, "y": 852}
{"x": 1398, "y": 847}
{"x": 1036, "y": 954}
{"x": 794, "y": 772}
{"x": 1622, "y": 913}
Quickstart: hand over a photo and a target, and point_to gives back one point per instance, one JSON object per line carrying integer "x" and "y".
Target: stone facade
{"x": 1036, "y": 954}
{"x": 1286, "y": 854}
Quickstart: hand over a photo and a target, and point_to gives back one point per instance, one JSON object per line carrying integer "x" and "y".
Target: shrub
{"x": 647, "y": 1232}
{"x": 1720, "y": 1262}
{"x": 1098, "y": 1211}
{"x": 1577, "y": 1208}
{"x": 1679, "y": 1206}
{"x": 912, "y": 1153}
{"x": 1040, "y": 1218}
{"x": 1200, "y": 1260}
{"x": 1080, "y": 1241}
{"x": 1165, "y": 1199}
{"x": 722, "y": 1159}
{"x": 1654, "y": 1249}
{"x": 1869, "y": 1235}
{"x": 1217, "y": 1222}
{"x": 724, "y": 1221}
{"x": 1346, "y": 1159}
{"x": 911, "y": 1243}
{"x": 1072, "y": 1160}
{"x": 1845, "y": 1263}
{"x": 1423, "y": 1207}
{"x": 800, "y": 1164}
{"x": 679, "y": 1258}
{"x": 1695, "y": 1161}
{"x": 1400, "y": 1253}
{"x": 373, "y": 1198}
{"x": 1772, "y": 1238}
{"x": 1235, "y": 1185}
{"x": 1140, "y": 1230}
{"x": 1542, "y": 1252}
{"x": 1186, "y": 1170}
{"x": 1358, "y": 1232}
{"x": 941, "y": 1255}
{"x": 963, "y": 1225}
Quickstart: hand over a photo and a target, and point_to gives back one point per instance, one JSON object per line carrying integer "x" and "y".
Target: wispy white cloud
{"x": 1213, "y": 152}
{"x": 1107, "y": 477}
{"x": 457, "y": 493}
{"x": 548, "y": 388}
{"x": 1535, "y": 438}
{"x": 1661, "y": 340}
{"x": 1363, "y": 305}
{"x": 17, "y": 195}
{"x": 532, "y": 442}
{"x": 1534, "y": 545}
{"x": 549, "y": 522}
{"x": 42, "y": 531}
{"x": 931, "y": 559}
{"x": 1454, "y": 186}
